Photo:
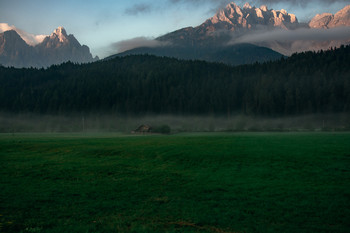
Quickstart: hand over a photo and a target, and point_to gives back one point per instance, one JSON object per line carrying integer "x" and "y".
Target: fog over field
{"x": 10, "y": 123}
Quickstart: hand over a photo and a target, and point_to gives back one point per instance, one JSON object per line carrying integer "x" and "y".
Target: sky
{"x": 100, "y": 24}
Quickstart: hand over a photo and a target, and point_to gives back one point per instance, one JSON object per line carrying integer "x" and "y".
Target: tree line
{"x": 305, "y": 83}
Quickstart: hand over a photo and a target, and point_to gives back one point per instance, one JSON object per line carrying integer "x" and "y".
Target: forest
{"x": 305, "y": 83}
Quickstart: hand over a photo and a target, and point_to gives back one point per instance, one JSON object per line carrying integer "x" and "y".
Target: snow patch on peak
{"x": 259, "y": 13}
{"x": 293, "y": 18}
{"x": 60, "y": 33}
{"x": 60, "y": 30}
{"x": 247, "y": 6}
{"x": 283, "y": 11}
{"x": 263, "y": 8}
{"x": 232, "y": 5}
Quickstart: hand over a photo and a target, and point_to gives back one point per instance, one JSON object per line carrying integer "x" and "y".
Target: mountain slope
{"x": 14, "y": 51}
{"x": 323, "y": 32}
{"x": 210, "y": 41}
{"x": 233, "y": 55}
{"x": 54, "y": 49}
{"x": 30, "y": 39}
{"x": 327, "y": 20}
{"x": 60, "y": 47}
{"x": 233, "y": 20}
{"x": 229, "y": 28}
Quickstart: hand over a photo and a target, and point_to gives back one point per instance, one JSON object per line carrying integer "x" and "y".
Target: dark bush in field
{"x": 163, "y": 129}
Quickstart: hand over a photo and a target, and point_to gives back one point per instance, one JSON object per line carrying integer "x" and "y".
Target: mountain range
{"x": 240, "y": 35}
{"x": 20, "y": 49}
{"x": 234, "y": 35}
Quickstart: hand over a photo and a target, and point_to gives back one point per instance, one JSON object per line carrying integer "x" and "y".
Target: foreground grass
{"x": 295, "y": 182}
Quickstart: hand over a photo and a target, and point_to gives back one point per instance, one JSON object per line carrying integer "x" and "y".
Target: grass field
{"x": 243, "y": 182}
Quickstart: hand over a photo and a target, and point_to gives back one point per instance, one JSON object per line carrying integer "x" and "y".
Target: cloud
{"x": 219, "y": 4}
{"x": 300, "y": 2}
{"x": 5, "y": 27}
{"x": 137, "y": 42}
{"x": 304, "y": 34}
{"x": 255, "y": 2}
{"x": 30, "y": 39}
{"x": 143, "y": 8}
{"x": 295, "y": 5}
{"x": 138, "y": 9}
{"x": 196, "y": 2}
{"x": 215, "y": 5}
{"x": 291, "y": 41}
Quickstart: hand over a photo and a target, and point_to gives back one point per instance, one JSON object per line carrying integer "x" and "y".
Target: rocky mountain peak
{"x": 263, "y": 8}
{"x": 232, "y": 21}
{"x": 60, "y": 31}
{"x": 345, "y": 12}
{"x": 13, "y": 49}
{"x": 321, "y": 20}
{"x": 61, "y": 34}
{"x": 247, "y": 6}
{"x": 232, "y": 5}
{"x": 54, "y": 49}
{"x": 234, "y": 18}
{"x": 10, "y": 40}
{"x": 29, "y": 38}
{"x": 342, "y": 17}
{"x": 328, "y": 20}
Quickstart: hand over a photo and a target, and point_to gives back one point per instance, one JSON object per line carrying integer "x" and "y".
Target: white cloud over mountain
{"x": 30, "y": 39}
{"x": 303, "y": 34}
{"x": 125, "y": 45}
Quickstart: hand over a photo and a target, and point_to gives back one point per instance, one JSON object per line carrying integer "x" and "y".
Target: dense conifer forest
{"x": 305, "y": 83}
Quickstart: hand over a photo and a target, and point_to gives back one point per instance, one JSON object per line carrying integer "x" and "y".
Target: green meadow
{"x": 213, "y": 182}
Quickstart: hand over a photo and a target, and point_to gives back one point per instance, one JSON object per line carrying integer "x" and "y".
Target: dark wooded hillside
{"x": 304, "y": 83}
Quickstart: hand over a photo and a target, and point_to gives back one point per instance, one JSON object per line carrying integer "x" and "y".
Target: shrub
{"x": 163, "y": 129}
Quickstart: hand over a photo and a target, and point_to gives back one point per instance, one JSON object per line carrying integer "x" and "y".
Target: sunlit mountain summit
{"x": 247, "y": 34}
{"x": 21, "y": 49}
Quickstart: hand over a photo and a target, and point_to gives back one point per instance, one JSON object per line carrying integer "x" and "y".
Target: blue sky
{"x": 99, "y": 24}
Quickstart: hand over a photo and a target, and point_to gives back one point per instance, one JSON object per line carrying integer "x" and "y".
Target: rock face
{"x": 224, "y": 37}
{"x": 233, "y": 23}
{"x": 210, "y": 40}
{"x": 30, "y": 39}
{"x": 321, "y": 20}
{"x": 14, "y": 51}
{"x": 54, "y": 49}
{"x": 60, "y": 47}
{"x": 328, "y": 26}
{"x": 327, "y": 20}
{"x": 233, "y": 19}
